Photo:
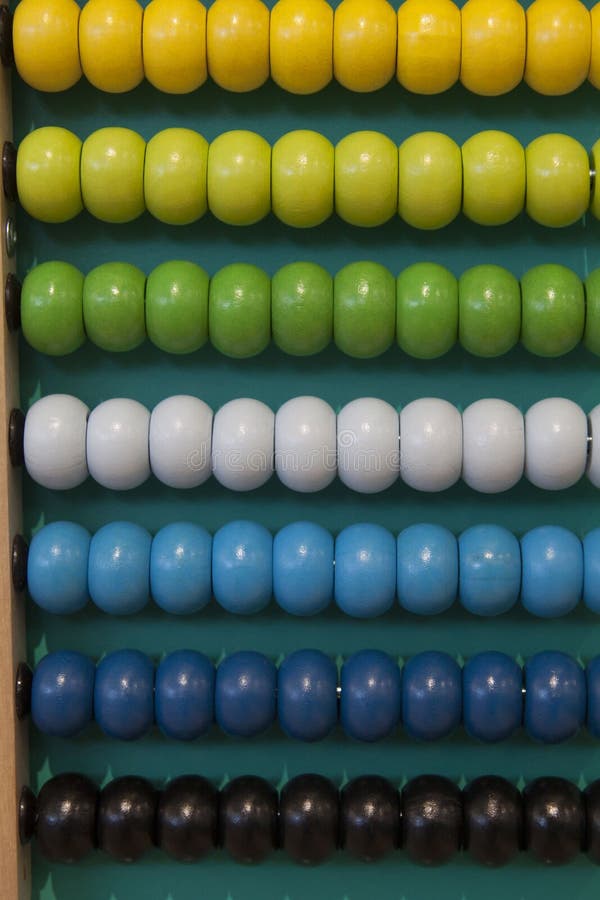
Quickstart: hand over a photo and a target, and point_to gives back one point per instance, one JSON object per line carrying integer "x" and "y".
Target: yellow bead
{"x": 237, "y": 44}
{"x": 174, "y": 45}
{"x": 46, "y": 43}
{"x": 558, "y": 180}
{"x": 559, "y": 35}
{"x": 175, "y": 176}
{"x": 48, "y": 182}
{"x": 239, "y": 178}
{"x": 110, "y": 44}
{"x": 428, "y": 60}
{"x": 301, "y": 45}
{"x": 493, "y": 178}
{"x": 366, "y": 178}
{"x": 493, "y": 46}
{"x": 594, "y": 73}
{"x": 302, "y": 171}
{"x": 595, "y": 163}
{"x": 364, "y": 44}
{"x": 430, "y": 180}
{"x": 112, "y": 174}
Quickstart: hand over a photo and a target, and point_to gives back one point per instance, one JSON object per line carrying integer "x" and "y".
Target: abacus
{"x": 301, "y": 457}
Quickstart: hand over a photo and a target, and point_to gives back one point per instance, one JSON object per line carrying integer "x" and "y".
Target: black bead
{"x": 369, "y": 818}
{"x": 554, "y": 820}
{"x": 126, "y": 818}
{"x": 186, "y": 819}
{"x": 66, "y": 819}
{"x": 309, "y": 819}
{"x": 9, "y": 165}
{"x": 27, "y": 815}
{"x": 248, "y": 819}
{"x": 20, "y": 552}
{"x": 23, "y": 682}
{"x": 591, "y": 799}
{"x": 7, "y": 54}
{"x": 16, "y": 434}
{"x": 493, "y": 820}
{"x": 431, "y": 819}
{"x": 12, "y": 300}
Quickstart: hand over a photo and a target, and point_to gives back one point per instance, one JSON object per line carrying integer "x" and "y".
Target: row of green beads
{"x": 302, "y": 308}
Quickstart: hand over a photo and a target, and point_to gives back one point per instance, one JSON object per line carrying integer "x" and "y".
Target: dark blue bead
{"x": 371, "y": 695}
{"x": 431, "y": 695}
{"x": 184, "y": 695}
{"x": 62, "y": 693}
{"x": 245, "y": 692}
{"x": 492, "y": 696}
{"x": 124, "y": 694}
{"x": 307, "y": 695}
{"x": 555, "y": 699}
{"x": 593, "y": 696}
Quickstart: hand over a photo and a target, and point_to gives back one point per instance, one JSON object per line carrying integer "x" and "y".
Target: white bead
{"x": 555, "y": 443}
{"x": 54, "y": 442}
{"x": 242, "y": 444}
{"x": 493, "y": 446}
{"x": 305, "y": 458}
{"x": 593, "y": 460}
{"x": 430, "y": 444}
{"x": 368, "y": 445}
{"x": 180, "y": 441}
{"x": 117, "y": 444}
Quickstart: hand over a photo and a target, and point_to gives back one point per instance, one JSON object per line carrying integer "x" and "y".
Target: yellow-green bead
{"x": 430, "y": 180}
{"x": 48, "y": 174}
{"x": 493, "y": 178}
{"x": 426, "y": 310}
{"x": 553, "y": 310}
{"x": 239, "y": 178}
{"x": 558, "y": 180}
{"x": 175, "y": 176}
{"x": 177, "y": 307}
{"x": 112, "y": 174}
{"x": 366, "y": 178}
{"x": 302, "y": 170}
{"x": 52, "y": 308}
{"x": 302, "y": 308}
{"x": 364, "y": 309}
{"x": 489, "y": 304}
{"x": 591, "y": 335}
{"x": 595, "y": 165}
{"x": 113, "y": 306}
{"x": 239, "y": 310}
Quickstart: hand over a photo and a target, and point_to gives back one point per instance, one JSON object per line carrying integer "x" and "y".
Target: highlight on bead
{"x": 177, "y": 177}
{"x": 427, "y": 45}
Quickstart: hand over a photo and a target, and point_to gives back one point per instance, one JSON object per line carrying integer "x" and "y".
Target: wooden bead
{"x": 493, "y": 820}
{"x": 48, "y": 174}
{"x": 175, "y": 170}
{"x": 110, "y": 44}
{"x": 174, "y": 45}
{"x": 117, "y": 444}
{"x": 429, "y": 39}
{"x": 559, "y": 38}
{"x": 248, "y": 819}
{"x": 301, "y": 41}
{"x": 594, "y": 72}
{"x": 554, "y": 820}
{"x": 370, "y": 818}
{"x": 302, "y": 171}
{"x": 55, "y": 442}
{"x": 239, "y": 177}
{"x": 430, "y": 180}
{"x": 237, "y": 44}
{"x": 493, "y": 177}
{"x": 126, "y": 818}
{"x": 112, "y": 174}
{"x": 66, "y": 821}
{"x": 186, "y": 818}
{"x": 493, "y": 46}
{"x": 364, "y": 44}
{"x": 558, "y": 180}
{"x": 432, "y": 819}
{"x": 309, "y": 819}
{"x": 46, "y": 44}
{"x": 366, "y": 178}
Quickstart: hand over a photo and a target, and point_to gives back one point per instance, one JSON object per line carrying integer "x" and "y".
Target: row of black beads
{"x": 431, "y": 819}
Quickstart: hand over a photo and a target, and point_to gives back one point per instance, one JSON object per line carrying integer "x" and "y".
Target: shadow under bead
{"x": 126, "y": 818}
{"x": 187, "y": 818}
{"x": 248, "y": 819}
{"x": 66, "y": 821}
{"x": 309, "y": 819}
{"x": 432, "y": 819}
{"x": 493, "y": 820}
{"x": 370, "y": 818}
{"x": 554, "y": 820}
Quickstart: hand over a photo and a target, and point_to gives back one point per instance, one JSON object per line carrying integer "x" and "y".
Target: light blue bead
{"x": 242, "y": 567}
{"x": 119, "y": 568}
{"x": 62, "y": 693}
{"x": 552, "y": 564}
{"x": 184, "y": 695}
{"x": 303, "y": 568}
{"x": 431, "y": 695}
{"x": 124, "y": 694}
{"x": 371, "y": 695}
{"x": 245, "y": 692}
{"x": 555, "y": 697}
{"x": 490, "y": 570}
{"x": 57, "y": 567}
{"x": 427, "y": 569}
{"x": 591, "y": 570}
{"x": 592, "y": 674}
{"x": 365, "y": 570}
{"x": 180, "y": 568}
{"x": 492, "y": 696}
{"x": 307, "y": 695}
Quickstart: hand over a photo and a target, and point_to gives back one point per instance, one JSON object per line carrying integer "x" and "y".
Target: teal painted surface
{"x": 149, "y": 376}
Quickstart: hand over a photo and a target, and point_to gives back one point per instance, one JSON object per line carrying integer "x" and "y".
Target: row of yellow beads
{"x": 490, "y": 45}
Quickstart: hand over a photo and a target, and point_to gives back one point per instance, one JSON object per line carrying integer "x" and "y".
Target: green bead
{"x": 553, "y": 310}
{"x": 52, "y": 308}
{"x": 489, "y": 301}
{"x": 177, "y": 307}
{"x": 113, "y": 306}
{"x": 591, "y": 337}
{"x": 239, "y": 310}
{"x": 302, "y": 308}
{"x": 364, "y": 314}
{"x": 427, "y": 310}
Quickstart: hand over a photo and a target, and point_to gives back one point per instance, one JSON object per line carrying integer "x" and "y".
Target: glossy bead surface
{"x": 119, "y": 568}
{"x": 426, "y": 310}
{"x": 558, "y": 46}
{"x": 552, "y": 578}
{"x": 174, "y": 45}
{"x": 553, "y": 310}
{"x": 117, "y": 444}
{"x": 368, "y": 453}
{"x": 490, "y": 569}
{"x": 112, "y": 174}
{"x": 245, "y": 692}
{"x": 302, "y": 308}
{"x": 430, "y": 180}
{"x": 302, "y": 170}
{"x": 592, "y": 678}
{"x": 555, "y": 699}
{"x": 177, "y": 306}
{"x": 57, "y": 567}
{"x": 175, "y": 170}
{"x": 180, "y": 438}
{"x": 48, "y": 182}
{"x": 242, "y": 567}
{"x": 61, "y": 693}
{"x": 363, "y": 309}
{"x": 427, "y": 569}
{"x": 243, "y": 443}
{"x": 126, "y": 818}
{"x": 493, "y": 174}
{"x": 493, "y": 46}
{"x": 124, "y": 695}
{"x": 66, "y": 818}
{"x": 110, "y": 44}
{"x": 46, "y": 47}
{"x": 54, "y": 442}
{"x": 493, "y": 821}
{"x": 52, "y": 308}
{"x": 558, "y": 180}
{"x": 186, "y": 818}
{"x": 365, "y": 570}
{"x": 239, "y": 177}
{"x": 493, "y": 445}
{"x": 305, "y": 444}
{"x": 555, "y": 443}
{"x": 490, "y": 310}
{"x": 307, "y": 706}
{"x": 371, "y": 695}
{"x": 309, "y": 819}
{"x": 239, "y": 310}
{"x": 248, "y": 819}
{"x": 429, "y": 45}
{"x": 181, "y": 568}
{"x": 366, "y": 178}
{"x": 431, "y": 820}
{"x": 594, "y": 70}
{"x": 237, "y": 40}
{"x": 591, "y": 570}
{"x": 370, "y": 818}
{"x": 591, "y": 334}
{"x": 430, "y": 444}
{"x": 431, "y": 695}
{"x": 113, "y": 306}
{"x": 592, "y": 469}
{"x": 301, "y": 41}
{"x": 303, "y": 568}
{"x": 364, "y": 44}
{"x": 554, "y": 820}
{"x": 184, "y": 695}
{"x": 492, "y": 686}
